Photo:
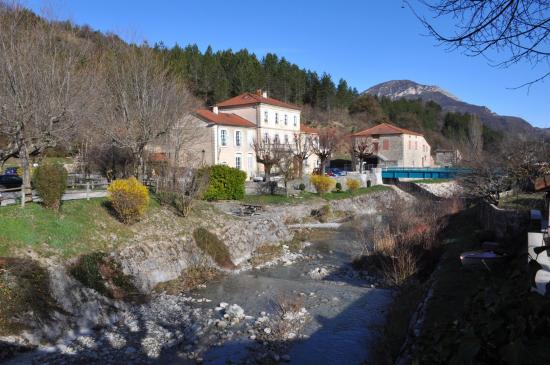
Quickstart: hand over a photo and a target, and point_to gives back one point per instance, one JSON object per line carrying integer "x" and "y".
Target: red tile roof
{"x": 385, "y": 128}
{"x": 305, "y": 129}
{"x": 252, "y": 99}
{"x": 224, "y": 118}
{"x": 158, "y": 157}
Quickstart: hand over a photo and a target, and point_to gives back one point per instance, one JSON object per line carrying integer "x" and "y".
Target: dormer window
{"x": 276, "y": 118}
{"x": 266, "y": 115}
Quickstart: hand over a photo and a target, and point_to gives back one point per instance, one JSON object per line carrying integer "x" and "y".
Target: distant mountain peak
{"x": 407, "y": 89}
{"x": 397, "y": 89}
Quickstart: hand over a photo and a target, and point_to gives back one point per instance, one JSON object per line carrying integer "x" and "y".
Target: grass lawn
{"x": 523, "y": 201}
{"x": 306, "y": 196}
{"x": 81, "y": 226}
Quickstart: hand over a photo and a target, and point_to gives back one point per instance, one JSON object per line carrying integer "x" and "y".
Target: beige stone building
{"x": 395, "y": 146}
{"x": 225, "y": 133}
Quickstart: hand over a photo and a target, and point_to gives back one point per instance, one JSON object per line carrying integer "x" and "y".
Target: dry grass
{"x": 407, "y": 242}
{"x": 190, "y": 279}
{"x": 265, "y": 254}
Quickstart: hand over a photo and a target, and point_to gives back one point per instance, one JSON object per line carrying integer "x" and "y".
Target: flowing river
{"x": 336, "y": 317}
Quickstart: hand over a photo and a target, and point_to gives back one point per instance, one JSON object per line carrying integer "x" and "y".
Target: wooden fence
{"x": 75, "y": 191}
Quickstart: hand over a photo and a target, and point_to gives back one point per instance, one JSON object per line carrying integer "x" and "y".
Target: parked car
{"x": 11, "y": 171}
{"x": 10, "y": 181}
{"x": 335, "y": 172}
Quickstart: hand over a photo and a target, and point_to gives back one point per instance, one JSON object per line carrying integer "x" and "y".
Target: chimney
{"x": 264, "y": 94}
{"x": 215, "y": 109}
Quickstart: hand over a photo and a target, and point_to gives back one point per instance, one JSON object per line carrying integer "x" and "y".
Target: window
{"x": 385, "y": 144}
{"x": 276, "y": 139}
{"x": 286, "y": 119}
{"x": 266, "y": 137}
{"x": 286, "y": 138}
{"x": 238, "y": 138}
{"x": 266, "y": 117}
{"x": 276, "y": 118}
{"x": 295, "y": 121}
{"x": 415, "y": 145}
{"x": 410, "y": 146}
{"x": 238, "y": 162}
{"x": 223, "y": 137}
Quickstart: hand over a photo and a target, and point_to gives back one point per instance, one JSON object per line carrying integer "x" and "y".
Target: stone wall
{"x": 505, "y": 223}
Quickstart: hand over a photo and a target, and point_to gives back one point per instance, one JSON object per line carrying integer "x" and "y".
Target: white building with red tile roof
{"x": 225, "y": 133}
{"x": 395, "y": 146}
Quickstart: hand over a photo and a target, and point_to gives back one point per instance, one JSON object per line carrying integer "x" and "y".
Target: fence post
{"x": 87, "y": 190}
{"x": 22, "y": 197}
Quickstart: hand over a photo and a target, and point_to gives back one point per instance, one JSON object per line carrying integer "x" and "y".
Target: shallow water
{"x": 343, "y": 307}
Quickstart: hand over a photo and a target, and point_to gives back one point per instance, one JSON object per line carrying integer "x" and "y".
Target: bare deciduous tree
{"x": 42, "y": 86}
{"x": 487, "y": 179}
{"x": 517, "y": 28}
{"x": 140, "y": 100}
{"x": 362, "y": 148}
{"x": 268, "y": 153}
{"x": 302, "y": 149}
{"x": 324, "y": 146}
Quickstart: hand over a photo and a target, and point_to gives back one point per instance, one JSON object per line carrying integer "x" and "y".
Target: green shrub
{"x": 50, "y": 181}
{"x": 226, "y": 183}
{"x": 338, "y": 187}
{"x": 209, "y": 243}
{"x": 323, "y": 184}
{"x": 100, "y": 272}
{"x": 129, "y": 199}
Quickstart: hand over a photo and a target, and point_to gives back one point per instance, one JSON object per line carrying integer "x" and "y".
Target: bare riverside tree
{"x": 268, "y": 153}
{"x": 302, "y": 149}
{"x": 140, "y": 101}
{"x": 362, "y": 148}
{"x": 42, "y": 87}
{"x": 518, "y": 28}
{"x": 324, "y": 146}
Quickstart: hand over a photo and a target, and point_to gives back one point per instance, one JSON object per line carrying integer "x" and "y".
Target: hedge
{"x": 225, "y": 183}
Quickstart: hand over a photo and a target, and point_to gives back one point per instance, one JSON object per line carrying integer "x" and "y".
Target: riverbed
{"x": 333, "y": 318}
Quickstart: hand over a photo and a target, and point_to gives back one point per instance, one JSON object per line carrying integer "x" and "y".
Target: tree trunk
{"x": 26, "y": 166}
{"x": 323, "y": 163}
{"x": 300, "y": 168}
{"x": 267, "y": 171}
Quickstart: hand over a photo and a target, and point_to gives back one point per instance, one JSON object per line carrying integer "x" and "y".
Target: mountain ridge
{"x": 408, "y": 89}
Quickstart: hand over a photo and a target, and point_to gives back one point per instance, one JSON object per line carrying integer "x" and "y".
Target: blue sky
{"x": 364, "y": 42}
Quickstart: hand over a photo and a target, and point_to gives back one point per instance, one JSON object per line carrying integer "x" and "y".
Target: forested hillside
{"x": 214, "y": 76}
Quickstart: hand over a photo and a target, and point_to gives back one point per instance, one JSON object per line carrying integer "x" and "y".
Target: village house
{"x": 447, "y": 158}
{"x": 395, "y": 146}
{"x": 225, "y": 133}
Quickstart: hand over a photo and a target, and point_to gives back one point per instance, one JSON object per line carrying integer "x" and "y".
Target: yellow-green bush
{"x": 353, "y": 184}
{"x": 129, "y": 199}
{"x": 323, "y": 184}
